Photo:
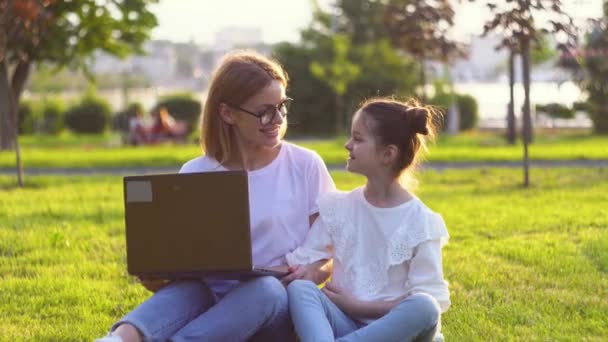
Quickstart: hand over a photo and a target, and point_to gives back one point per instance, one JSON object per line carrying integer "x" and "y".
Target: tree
{"x": 62, "y": 33}
{"x": 516, "y": 21}
{"x": 420, "y": 28}
{"x": 337, "y": 73}
{"x": 383, "y": 71}
{"x": 361, "y": 20}
{"x": 541, "y": 53}
{"x": 589, "y": 65}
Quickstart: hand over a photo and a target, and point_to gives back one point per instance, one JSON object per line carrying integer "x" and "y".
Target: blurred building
{"x": 158, "y": 63}
{"x": 483, "y": 63}
{"x": 234, "y": 37}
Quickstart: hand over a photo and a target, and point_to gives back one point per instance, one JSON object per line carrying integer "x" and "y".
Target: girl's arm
{"x": 311, "y": 261}
{"x": 359, "y": 308}
{"x": 426, "y": 273}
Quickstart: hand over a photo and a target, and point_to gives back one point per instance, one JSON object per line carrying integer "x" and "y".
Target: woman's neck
{"x": 385, "y": 192}
{"x": 251, "y": 158}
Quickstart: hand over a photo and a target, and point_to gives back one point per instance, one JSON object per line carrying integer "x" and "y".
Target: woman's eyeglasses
{"x": 267, "y": 115}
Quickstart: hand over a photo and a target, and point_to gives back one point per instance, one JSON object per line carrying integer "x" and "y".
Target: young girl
{"x": 387, "y": 282}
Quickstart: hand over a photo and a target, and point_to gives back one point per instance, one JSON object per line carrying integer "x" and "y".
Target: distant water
{"x": 493, "y": 99}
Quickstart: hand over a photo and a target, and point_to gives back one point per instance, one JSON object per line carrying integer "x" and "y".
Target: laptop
{"x": 191, "y": 224}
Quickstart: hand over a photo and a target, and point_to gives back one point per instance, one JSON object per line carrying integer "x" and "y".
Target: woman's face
{"x": 249, "y": 127}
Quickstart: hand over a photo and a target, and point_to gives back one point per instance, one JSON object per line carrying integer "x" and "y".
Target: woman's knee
{"x": 270, "y": 290}
{"x": 190, "y": 290}
{"x": 191, "y": 287}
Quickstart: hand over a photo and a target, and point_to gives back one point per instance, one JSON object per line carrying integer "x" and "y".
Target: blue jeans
{"x": 317, "y": 318}
{"x": 189, "y": 311}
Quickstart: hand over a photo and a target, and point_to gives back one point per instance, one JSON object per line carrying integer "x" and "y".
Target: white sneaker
{"x": 110, "y": 338}
{"x": 438, "y": 338}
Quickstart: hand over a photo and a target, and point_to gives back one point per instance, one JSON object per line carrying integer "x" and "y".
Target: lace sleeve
{"x": 316, "y": 247}
{"x": 426, "y": 273}
{"x": 424, "y": 225}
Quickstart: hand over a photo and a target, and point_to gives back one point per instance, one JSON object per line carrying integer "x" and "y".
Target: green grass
{"x": 523, "y": 264}
{"x": 69, "y": 151}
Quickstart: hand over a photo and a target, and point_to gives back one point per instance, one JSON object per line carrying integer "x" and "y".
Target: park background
{"x": 523, "y": 189}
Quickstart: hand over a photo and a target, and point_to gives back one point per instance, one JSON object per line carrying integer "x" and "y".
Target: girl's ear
{"x": 390, "y": 154}
{"x": 227, "y": 114}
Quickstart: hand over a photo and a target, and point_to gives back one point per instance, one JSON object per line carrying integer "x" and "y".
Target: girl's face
{"x": 364, "y": 156}
{"x": 248, "y": 126}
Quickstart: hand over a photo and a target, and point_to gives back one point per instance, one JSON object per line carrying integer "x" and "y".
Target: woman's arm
{"x": 153, "y": 285}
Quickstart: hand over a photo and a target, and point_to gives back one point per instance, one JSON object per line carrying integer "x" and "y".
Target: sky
{"x": 281, "y": 20}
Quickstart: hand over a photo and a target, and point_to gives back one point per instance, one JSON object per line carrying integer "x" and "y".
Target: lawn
{"x": 523, "y": 264}
{"x": 69, "y": 151}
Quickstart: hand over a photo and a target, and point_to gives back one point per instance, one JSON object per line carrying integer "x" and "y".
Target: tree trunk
{"x": 22, "y": 72}
{"x": 6, "y": 110}
{"x": 511, "y": 130}
{"x": 527, "y": 120}
{"x": 11, "y": 92}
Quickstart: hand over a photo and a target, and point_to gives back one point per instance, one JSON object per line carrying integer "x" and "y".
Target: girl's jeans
{"x": 317, "y": 318}
{"x": 189, "y": 311}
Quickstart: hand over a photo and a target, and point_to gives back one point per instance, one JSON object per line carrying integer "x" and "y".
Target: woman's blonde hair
{"x": 240, "y": 76}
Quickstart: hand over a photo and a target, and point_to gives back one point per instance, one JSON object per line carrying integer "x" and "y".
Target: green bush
{"x": 182, "y": 107}
{"x": 26, "y": 121}
{"x": 91, "y": 115}
{"x": 582, "y": 106}
{"x": 120, "y": 120}
{"x": 468, "y": 109}
{"x": 52, "y": 116}
{"x": 556, "y": 110}
{"x": 441, "y": 102}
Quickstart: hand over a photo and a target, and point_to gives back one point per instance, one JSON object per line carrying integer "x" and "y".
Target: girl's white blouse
{"x": 379, "y": 253}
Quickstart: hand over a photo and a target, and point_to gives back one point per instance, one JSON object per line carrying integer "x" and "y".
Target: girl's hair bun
{"x": 419, "y": 119}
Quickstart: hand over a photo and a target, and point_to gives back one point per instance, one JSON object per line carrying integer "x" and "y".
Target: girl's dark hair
{"x": 406, "y": 125}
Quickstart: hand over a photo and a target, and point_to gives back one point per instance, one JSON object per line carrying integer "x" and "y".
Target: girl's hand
{"x": 344, "y": 301}
{"x": 153, "y": 285}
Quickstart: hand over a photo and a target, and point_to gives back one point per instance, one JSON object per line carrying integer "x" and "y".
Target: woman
{"x": 244, "y": 121}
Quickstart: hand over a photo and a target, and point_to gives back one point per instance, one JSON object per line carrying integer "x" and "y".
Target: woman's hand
{"x": 317, "y": 272}
{"x": 305, "y": 272}
{"x": 343, "y": 300}
{"x": 152, "y": 284}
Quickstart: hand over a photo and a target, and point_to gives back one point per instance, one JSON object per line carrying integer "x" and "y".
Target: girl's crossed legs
{"x": 317, "y": 318}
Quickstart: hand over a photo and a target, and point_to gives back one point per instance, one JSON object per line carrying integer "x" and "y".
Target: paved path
{"x": 428, "y": 165}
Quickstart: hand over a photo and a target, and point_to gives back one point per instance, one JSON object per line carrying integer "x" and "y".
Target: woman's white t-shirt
{"x": 282, "y": 196}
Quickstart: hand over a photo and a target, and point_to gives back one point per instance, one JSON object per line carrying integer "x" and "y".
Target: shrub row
{"x": 93, "y": 115}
